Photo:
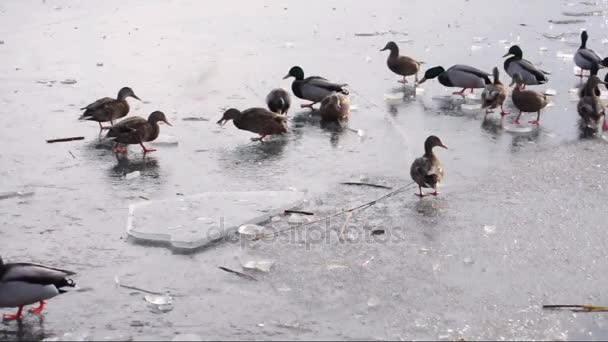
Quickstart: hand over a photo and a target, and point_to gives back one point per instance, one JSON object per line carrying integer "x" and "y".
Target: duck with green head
{"x": 313, "y": 88}
{"x": 109, "y": 109}
{"x": 585, "y": 58}
{"x": 427, "y": 171}
{"x": 136, "y": 130}
{"x": 516, "y": 63}
{"x": 401, "y": 65}
{"x": 459, "y": 75}
{"x": 256, "y": 120}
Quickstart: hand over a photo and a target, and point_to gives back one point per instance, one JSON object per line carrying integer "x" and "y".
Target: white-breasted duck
{"x": 278, "y": 101}
{"x": 109, "y": 109}
{"x": 516, "y": 63}
{"x": 313, "y": 88}
{"x": 527, "y": 101}
{"x": 584, "y": 58}
{"x": 256, "y": 120}
{"x": 461, "y": 76}
{"x": 427, "y": 171}
{"x": 136, "y": 130}
{"x": 494, "y": 95}
{"x": 24, "y": 284}
{"x": 401, "y": 65}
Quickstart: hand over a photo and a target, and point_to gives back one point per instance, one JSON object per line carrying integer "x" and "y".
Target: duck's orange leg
{"x": 260, "y": 138}
{"x": 11, "y": 317}
{"x": 404, "y": 81}
{"x": 420, "y": 193}
{"x": 308, "y": 105}
{"x": 461, "y": 93}
{"x": 146, "y": 150}
{"x": 502, "y": 111}
{"x": 38, "y": 309}
{"x": 537, "y": 121}
{"x": 516, "y": 121}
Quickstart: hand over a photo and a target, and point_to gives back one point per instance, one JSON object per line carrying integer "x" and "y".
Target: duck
{"x": 459, "y": 75}
{"x": 584, "y": 90}
{"x": 109, "y": 109}
{"x": 531, "y": 74}
{"x": 494, "y": 95}
{"x": 136, "y": 130}
{"x": 589, "y": 106}
{"x": 335, "y": 107}
{"x": 313, "y": 88}
{"x": 427, "y": 171}
{"x": 401, "y": 65}
{"x": 527, "y": 100}
{"x": 278, "y": 101}
{"x": 256, "y": 120}
{"x": 24, "y": 284}
{"x": 584, "y": 58}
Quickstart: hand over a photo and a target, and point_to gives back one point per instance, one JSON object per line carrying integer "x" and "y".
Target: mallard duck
{"x": 109, "y": 109}
{"x": 278, "y": 101}
{"x": 589, "y": 106}
{"x": 24, "y": 284}
{"x": 313, "y": 88}
{"x": 461, "y": 76}
{"x": 137, "y": 130}
{"x": 585, "y": 58}
{"x": 256, "y": 120}
{"x": 527, "y": 100}
{"x": 584, "y": 90}
{"x": 494, "y": 95}
{"x": 531, "y": 74}
{"x": 335, "y": 107}
{"x": 426, "y": 171}
{"x": 401, "y": 65}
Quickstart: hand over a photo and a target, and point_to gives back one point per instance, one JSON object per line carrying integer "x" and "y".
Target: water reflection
{"x": 30, "y": 328}
{"x": 146, "y": 164}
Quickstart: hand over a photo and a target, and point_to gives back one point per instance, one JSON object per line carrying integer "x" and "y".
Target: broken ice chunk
{"x": 543, "y": 49}
{"x": 577, "y": 71}
{"x": 132, "y": 175}
{"x": 158, "y": 299}
{"x": 479, "y": 39}
{"x": 251, "y": 229}
{"x": 260, "y": 265}
{"x": 489, "y": 229}
{"x": 564, "y": 55}
{"x": 395, "y": 96}
{"x": 470, "y": 108}
{"x": 551, "y": 92}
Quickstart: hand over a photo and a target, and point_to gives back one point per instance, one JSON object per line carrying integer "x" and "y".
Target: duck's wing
{"x": 425, "y": 172}
{"x": 127, "y": 126}
{"x": 262, "y": 121}
{"x": 463, "y": 72}
{"x": 589, "y": 55}
{"x": 98, "y": 103}
{"x": 323, "y": 83}
{"x": 34, "y": 274}
{"x": 529, "y": 67}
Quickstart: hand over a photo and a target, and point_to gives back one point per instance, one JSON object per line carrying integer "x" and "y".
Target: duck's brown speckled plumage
{"x": 494, "y": 94}
{"x": 427, "y": 171}
{"x": 335, "y": 107}
{"x": 527, "y": 101}
{"x": 109, "y": 109}
{"x": 589, "y": 106}
{"x": 137, "y": 130}
{"x": 256, "y": 120}
{"x": 401, "y": 65}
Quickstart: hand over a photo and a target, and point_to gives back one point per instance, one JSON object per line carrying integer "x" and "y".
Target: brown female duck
{"x": 401, "y": 65}
{"x": 527, "y": 100}
{"x": 494, "y": 95}
{"x": 335, "y": 107}
{"x": 426, "y": 171}
{"x": 589, "y": 106}
{"x": 109, "y": 109}
{"x": 137, "y": 130}
{"x": 256, "y": 120}
{"x": 278, "y": 101}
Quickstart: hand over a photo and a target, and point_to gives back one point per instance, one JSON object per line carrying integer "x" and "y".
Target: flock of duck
{"x": 24, "y": 284}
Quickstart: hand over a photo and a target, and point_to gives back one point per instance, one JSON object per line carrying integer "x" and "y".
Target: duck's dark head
{"x": 433, "y": 141}
{"x": 514, "y": 50}
{"x": 432, "y": 73}
{"x": 296, "y": 72}
{"x": 158, "y": 116}
{"x": 391, "y": 46}
{"x": 126, "y": 92}
{"x": 584, "y": 37}
{"x": 230, "y": 114}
